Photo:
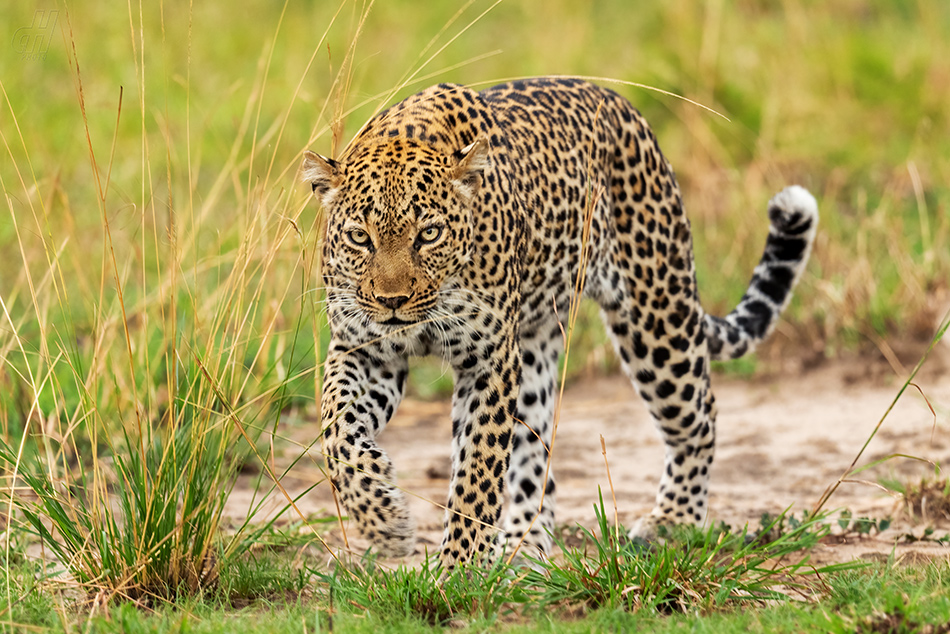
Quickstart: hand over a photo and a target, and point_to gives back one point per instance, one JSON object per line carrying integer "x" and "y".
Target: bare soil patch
{"x": 782, "y": 440}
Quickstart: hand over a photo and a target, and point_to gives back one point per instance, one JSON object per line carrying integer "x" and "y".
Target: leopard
{"x": 465, "y": 224}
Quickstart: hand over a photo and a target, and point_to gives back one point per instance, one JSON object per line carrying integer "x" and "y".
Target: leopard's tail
{"x": 793, "y": 213}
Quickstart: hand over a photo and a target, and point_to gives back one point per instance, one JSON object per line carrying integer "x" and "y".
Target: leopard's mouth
{"x": 390, "y": 318}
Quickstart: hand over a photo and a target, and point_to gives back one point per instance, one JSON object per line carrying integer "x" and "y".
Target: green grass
{"x": 159, "y": 295}
{"x": 713, "y": 581}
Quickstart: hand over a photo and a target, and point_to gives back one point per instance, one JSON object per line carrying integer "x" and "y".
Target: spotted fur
{"x": 458, "y": 224}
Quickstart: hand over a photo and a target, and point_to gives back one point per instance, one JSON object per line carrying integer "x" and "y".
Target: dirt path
{"x": 781, "y": 442}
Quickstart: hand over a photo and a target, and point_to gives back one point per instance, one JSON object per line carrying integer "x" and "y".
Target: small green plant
{"x": 861, "y": 526}
{"x": 771, "y": 527}
{"x": 928, "y": 534}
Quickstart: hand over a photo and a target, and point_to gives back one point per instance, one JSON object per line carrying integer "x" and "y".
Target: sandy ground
{"x": 782, "y": 440}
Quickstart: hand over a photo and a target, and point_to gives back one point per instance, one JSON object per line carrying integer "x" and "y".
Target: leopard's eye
{"x": 358, "y": 237}
{"x": 430, "y": 234}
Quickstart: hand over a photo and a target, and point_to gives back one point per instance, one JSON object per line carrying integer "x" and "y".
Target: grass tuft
{"x": 690, "y": 570}
{"x": 141, "y": 520}
{"x": 470, "y": 591}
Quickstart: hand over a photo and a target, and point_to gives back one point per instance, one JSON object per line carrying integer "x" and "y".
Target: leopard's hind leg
{"x": 648, "y": 296}
{"x": 665, "y": 339}
{"x": 664, "y": 353}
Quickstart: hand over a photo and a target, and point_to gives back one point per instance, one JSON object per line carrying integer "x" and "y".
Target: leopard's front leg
{"x": 483, "y": 412}
{"x": 360, "y": 394}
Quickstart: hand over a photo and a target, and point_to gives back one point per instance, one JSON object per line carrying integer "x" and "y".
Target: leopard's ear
{"x": 322, "y": 173}
{"x": 473, "y": 161}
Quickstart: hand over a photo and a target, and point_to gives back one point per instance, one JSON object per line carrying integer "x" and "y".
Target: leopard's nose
{"x": 391, "y": 301}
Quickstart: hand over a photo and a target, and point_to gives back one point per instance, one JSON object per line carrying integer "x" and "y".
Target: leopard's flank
{"x": 458, "y": 223}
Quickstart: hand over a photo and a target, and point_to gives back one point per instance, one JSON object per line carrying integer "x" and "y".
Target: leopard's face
{"x": 399, "y": 231}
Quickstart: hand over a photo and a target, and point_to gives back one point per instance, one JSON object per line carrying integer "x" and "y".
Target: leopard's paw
{"x": 395, "y": 536}
{"x": 650, "y": 528}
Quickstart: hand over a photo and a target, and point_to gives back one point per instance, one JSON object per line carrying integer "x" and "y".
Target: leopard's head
{"x": 399, "y": 228}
